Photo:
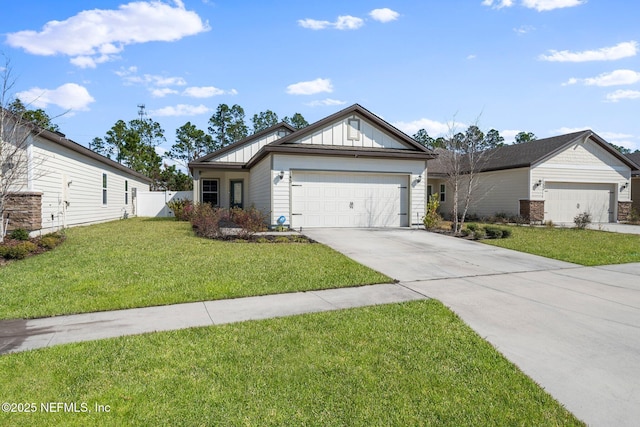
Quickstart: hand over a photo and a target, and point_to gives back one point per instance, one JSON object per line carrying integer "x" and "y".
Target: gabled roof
{"x": 355, "y": 109}
{"x": 286, "y": 145}
{"x": 532, "y": 152}
{"x": 244, "y": 141}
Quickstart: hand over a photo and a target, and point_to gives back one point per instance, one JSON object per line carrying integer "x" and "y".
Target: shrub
{"x": 432, "y": 217}
{"x": 582, "y": 220}
{"x": 206, "y": 219}
{"x": 250, "y": 221}
{"x": 634, "y": 217}
{"x": 181, "y": 208}
{"x": 262, "y": 240}
{"x": 19, "y": 234}
{"x": 49, "y": 242}
{"x": 493, "y": 232}
{"x": 21, "y": 250}
{"x": 549, "y": 224}
{"x": 281, "y": 239}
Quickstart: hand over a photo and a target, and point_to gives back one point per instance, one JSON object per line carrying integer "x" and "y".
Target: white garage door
{"x": 565, "y": 200}
{"x": 333, "y": 199}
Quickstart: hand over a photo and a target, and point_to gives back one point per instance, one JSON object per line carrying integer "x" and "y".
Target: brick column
{"x": 532, "y": 210}
{"x": 24, "y": 210}
{"x": 624, "y": 209}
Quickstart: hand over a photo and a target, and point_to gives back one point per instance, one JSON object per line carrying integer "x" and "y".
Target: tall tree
{"x": 423, "y": 138}
{"x": 38, "y": 117}
{"x": 493, "y": 139}
{"x": 264, "y": 120}
{"x": 191, "y": 143}
{"x": 524, "y": 137}
{"x": 227, "y": 125}
{"x": 297, "y": 121}
{"x": 173, "y": 179}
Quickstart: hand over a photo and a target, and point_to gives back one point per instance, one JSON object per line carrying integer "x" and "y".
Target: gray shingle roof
{"x": 527, "y": 153}
{"x": 635, "y": 158}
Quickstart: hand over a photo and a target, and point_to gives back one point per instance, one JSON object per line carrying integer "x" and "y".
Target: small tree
{"x": 432, "y": 218}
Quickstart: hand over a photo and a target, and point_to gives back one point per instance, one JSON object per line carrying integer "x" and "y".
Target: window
{"x": 104, "y": 188}
{"x": 353, "y": 129}
{"x": 429, "y": 191}
{"x": 443, "y": 197}
{"x": 126, "y": 192}
{"x": 210, "y": 191}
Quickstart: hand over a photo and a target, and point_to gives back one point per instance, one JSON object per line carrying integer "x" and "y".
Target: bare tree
{"x": 16, "y": 133}
{"x": 463, "y": 158}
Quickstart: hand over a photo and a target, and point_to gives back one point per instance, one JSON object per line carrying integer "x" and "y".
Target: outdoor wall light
{"x": 281, "y": 175}
{"x": 624, "y": 186}
{"x": 538, "y": 183}
{"x": 419, "y": 178}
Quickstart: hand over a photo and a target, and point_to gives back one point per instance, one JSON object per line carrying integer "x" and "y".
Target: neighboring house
{"x": 635, "y": 181}
{"x": 65, "y": 184}
{"x": 551, "y": 179}
{"x": 350, "y": 169}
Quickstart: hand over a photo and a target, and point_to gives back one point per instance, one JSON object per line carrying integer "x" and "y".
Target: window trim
{"x": 353, "y": 129}
{"x": 443, "y": 193}
{"x": 105, "y": 187}
{"x": 217, "y": 192}
{"x": 126, "y": 192}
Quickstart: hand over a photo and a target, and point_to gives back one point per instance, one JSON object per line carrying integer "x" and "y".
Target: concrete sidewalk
{"x": 20, "y": 335}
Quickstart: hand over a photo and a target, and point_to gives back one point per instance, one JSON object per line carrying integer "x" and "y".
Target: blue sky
{"x": 544, "y": 66}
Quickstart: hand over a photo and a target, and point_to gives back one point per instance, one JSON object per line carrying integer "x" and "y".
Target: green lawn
{"x": 144, "y": 262}
{"x": 585, "y": 247}
{"x": 400, "y": 364}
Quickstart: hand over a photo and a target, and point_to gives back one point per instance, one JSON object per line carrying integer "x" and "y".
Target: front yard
{"x": 584, "y": 247}
{"x": 400, "y": 364}
{"x": 143, "y": 262}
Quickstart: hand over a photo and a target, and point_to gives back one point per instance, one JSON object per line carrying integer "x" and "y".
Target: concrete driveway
{"x": 574, "y": 330}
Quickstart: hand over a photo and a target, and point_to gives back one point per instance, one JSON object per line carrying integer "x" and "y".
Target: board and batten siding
{"x": 337, "y": 134}
{"x": 260, "y": 180}
{"x": 585, "y": 162}
{"x": 244, "y": 152}
{"x": 287, "y": 163}
{"x": 71, "y": 186}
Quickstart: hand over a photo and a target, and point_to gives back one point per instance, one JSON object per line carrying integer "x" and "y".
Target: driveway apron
{"x": 574, "y": 330}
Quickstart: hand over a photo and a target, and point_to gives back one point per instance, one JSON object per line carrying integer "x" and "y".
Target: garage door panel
{"x": 565, "y": 200}
{"x": 348, "y": 200}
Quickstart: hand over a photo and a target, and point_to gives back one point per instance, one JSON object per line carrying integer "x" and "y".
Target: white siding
{"x": 244, "y": 152}
{"x": 336, "y": 134}
{"x": 72, "y": 187}
{"x": 260, "y": 185}
{"x": 582, "y": 162}
{"x": 286, "y": 163}
{"x": 500, "y": 192}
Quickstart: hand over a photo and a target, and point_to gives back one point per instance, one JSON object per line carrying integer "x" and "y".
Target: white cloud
{"x": 545, "y": 5}
{"x": 325, "y": 102}
{"x": 434, "y": 128}
{"x": 622, "y": 139}
{"x": 619, "y": 51}
{"x": 162, "y": 92}
{"x": 509, "y": 135}
{"x": 311, "y": 87}
{"x": 181, "y": 110}
{"x": 384, "y": 15}
{"x": 623, "y": 94}
{"x": 472, "y": 56}
{"x": 524, "y": 29}
{"x": 69, "y": 96}
{"x": 614, "y": 78}
{"x": 499, "y": 4}
{"x": 314, "y": 24}
{"x": 203, "y": 92}
{"x": 348, "y": 22}
{"x": 96, "y": 36}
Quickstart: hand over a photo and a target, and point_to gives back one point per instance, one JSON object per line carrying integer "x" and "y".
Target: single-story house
{"x": 635, "y": 181}
{"x": 551, "y": 179}
{"x": 61, "y": 183}
{"x": 350, "y": 169}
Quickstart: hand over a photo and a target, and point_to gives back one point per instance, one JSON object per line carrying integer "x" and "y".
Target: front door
{"x": 236, "y": 194}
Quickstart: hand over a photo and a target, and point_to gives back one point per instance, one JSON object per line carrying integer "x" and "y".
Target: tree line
{"x": 492, "y": 139}
{"x": 133, "y": 144}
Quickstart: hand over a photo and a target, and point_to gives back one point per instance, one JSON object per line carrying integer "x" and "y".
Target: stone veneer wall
{"x": 624, "y": 209}
{"x": 532, "y": 210}
{"x": 24, "y": 210}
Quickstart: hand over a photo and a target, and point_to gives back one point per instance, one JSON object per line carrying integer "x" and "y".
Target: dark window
{"x": 443, "y": 197}
{"x": 210, "y": 191}
{"x": 104, "y": 188}
{"x": 126, "y": 192}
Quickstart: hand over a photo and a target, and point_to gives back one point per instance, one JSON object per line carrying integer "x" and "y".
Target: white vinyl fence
{"x": 154, "y": 203}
